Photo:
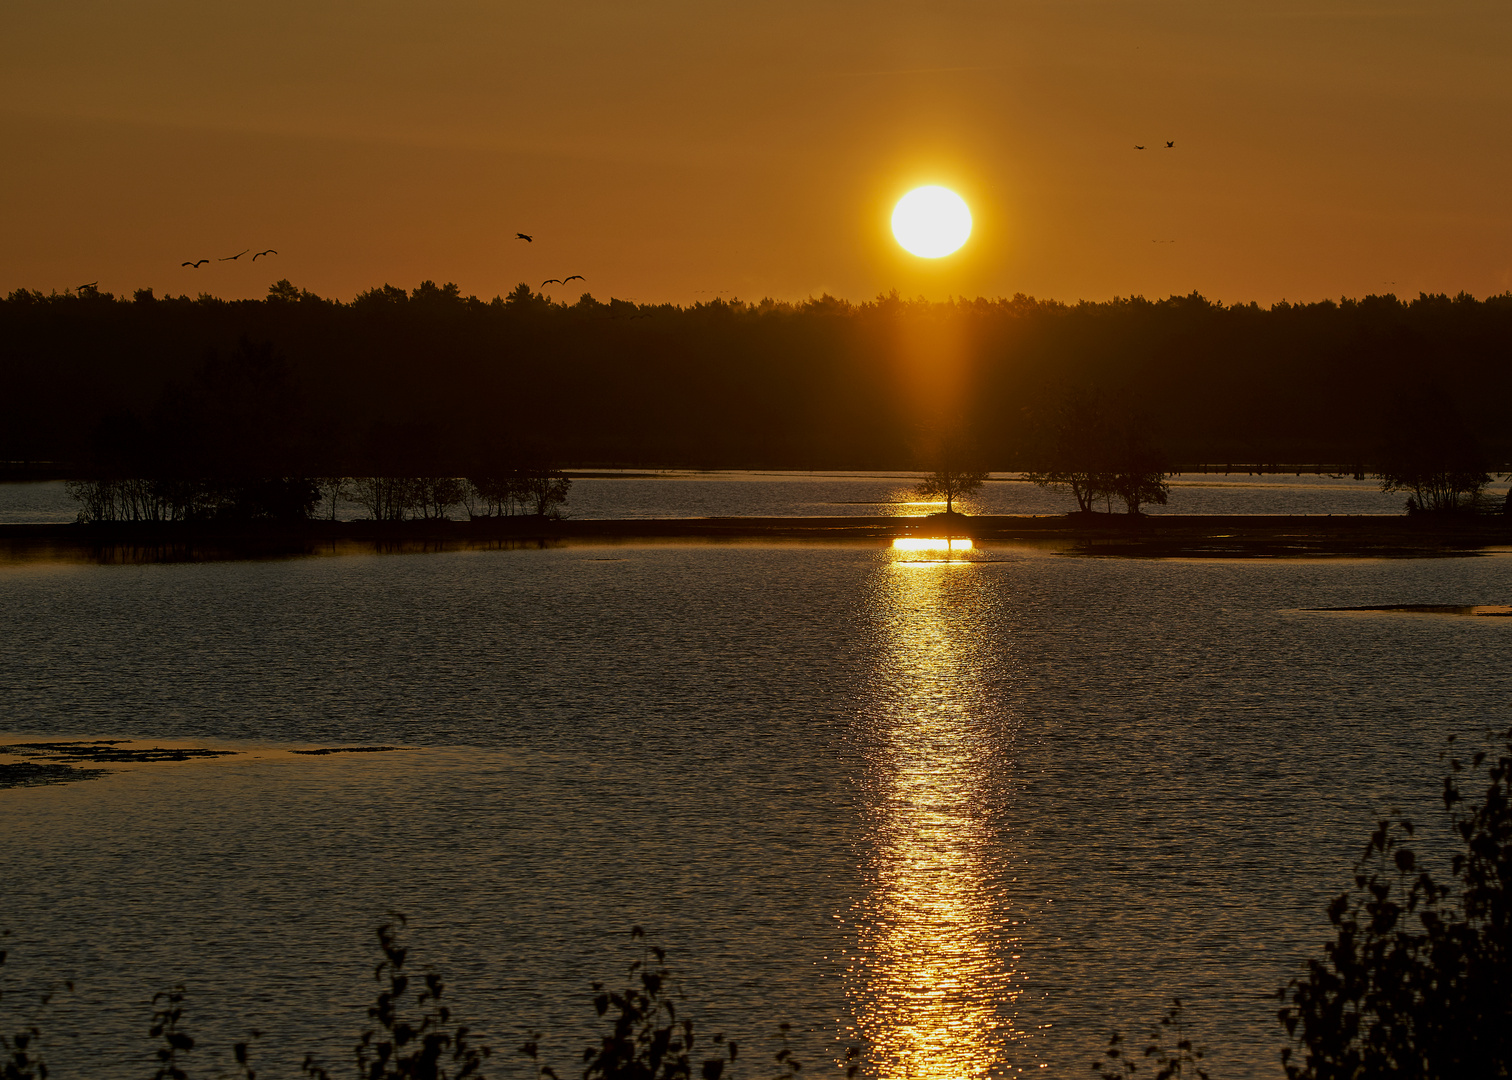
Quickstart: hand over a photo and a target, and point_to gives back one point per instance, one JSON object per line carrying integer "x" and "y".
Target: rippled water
{"x": 756, "y": 494}
{"x": 972, "y": 810}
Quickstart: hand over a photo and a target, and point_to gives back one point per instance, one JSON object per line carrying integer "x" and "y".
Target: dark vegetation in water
{"x": 1416, "y": 982}
{"x": 109, "y": 750}
{"x": 348, "y": 750}
{"x": 30, "y": 774}
{"x": 57, "y": 767}
{"x": 436, "y": 380}
{"x": 1483, "y": 611}
{"x": 59, "y": 757}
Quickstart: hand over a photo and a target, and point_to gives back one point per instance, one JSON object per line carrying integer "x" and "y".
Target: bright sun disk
{"x": 931, "y": 221}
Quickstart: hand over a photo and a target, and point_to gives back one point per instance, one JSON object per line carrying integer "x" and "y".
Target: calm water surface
{"x": 970, "y": 811}
{"x": 757, "y": 494}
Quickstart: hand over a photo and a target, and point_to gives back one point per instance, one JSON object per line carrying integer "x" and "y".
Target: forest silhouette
{"x": 427, "y": 381}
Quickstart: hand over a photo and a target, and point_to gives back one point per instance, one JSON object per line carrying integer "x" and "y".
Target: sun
{"x": 931, "y": 222}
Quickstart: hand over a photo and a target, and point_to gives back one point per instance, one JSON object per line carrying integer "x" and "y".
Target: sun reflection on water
{"x": 931, "y": 543}
{"x": 933, "y": 987}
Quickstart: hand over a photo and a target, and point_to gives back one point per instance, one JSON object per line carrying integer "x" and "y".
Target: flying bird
{"x": 1139, "y": 148}
{"x": 522, "y": 236}
{"x": 260, "y": 254}
{"x": 1171, "y": 144}
{"x": 81, "y": 288}
{"x": 233, "y": 258}
{"x": 195, "y": 265}
{"x": 551, "y": 281}
{"x": 574, "y": 277}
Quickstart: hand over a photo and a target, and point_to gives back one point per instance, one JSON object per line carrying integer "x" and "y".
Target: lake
{"x": 684, "y": 494}
{"x": 972, "y": 810}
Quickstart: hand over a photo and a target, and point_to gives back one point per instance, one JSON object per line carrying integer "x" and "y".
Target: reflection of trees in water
{"x": 932, "y": 983}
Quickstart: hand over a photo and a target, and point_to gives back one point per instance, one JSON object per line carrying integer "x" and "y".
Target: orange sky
{"x": 675, "y": 151}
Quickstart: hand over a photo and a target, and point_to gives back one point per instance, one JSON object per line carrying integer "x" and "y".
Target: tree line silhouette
{"x": 436, "y": 380}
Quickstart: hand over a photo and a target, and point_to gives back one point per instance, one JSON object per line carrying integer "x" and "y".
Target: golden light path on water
{"x": 932, "y": 985}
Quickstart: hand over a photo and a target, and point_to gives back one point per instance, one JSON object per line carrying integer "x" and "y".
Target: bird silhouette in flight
{"x": 195, "y": 265}
{"x": 260, "y": 254}
{"x": 522, "y": 236}
{"x": 81, "y": 288}
{"x": 1139, "y": 148}
{"x": 233, "y": 258}
{"x": 551, "y": 281}
{"x": 1170, "y": 144}
{"x": 574, "y": 277}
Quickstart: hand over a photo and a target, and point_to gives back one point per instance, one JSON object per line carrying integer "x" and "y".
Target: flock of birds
{"x": 195, "y": 264}
{"x": 529, "y": 239}
{"x": 1170, "y": 145}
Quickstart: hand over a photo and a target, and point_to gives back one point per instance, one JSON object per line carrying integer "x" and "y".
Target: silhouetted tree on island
{"x": 1139, "y": 470}
{"x": 333, "y": 491}
{"x": 543, "y": 490}
{"x": 1082, "y": 450}
{"x": 1432, "y": 454}
{"x": 957, "y": 464}
{"x": 950, "y": 484}
{"x": 1072, "y": 450}
{"x": 226, "y": 444}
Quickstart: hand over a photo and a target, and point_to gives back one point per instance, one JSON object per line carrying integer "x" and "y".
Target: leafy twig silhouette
{"x": 1179, "y": 1061}
{"x": 21, "y": 1060}
{"x": 240, "y": 1051}
{"x": 415, "y": 1037}
{"x": 165, "y": 1026}
{"x": 647, "y": 1041}
{"x": 1418, "y": 979}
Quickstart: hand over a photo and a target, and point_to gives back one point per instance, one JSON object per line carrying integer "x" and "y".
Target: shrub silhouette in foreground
{"x": 1117, "y": 1063}
{"x": 1417, "y": 982}
{"x": 1418, "y": 979}
{"x": 646, "y": 1040}
{"x": 415, "y": 1036}
{"x": 20, "y": 1060}
{"x": 165, "y": 1026}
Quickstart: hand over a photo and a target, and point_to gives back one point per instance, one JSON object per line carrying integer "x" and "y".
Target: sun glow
{"x": 931, "y": 222}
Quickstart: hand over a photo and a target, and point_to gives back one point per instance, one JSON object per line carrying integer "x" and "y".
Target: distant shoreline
{"x": 1154, "y": 536}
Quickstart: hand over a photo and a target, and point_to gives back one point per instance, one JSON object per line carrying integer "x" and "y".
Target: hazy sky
{"x": 673, "y": 151}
